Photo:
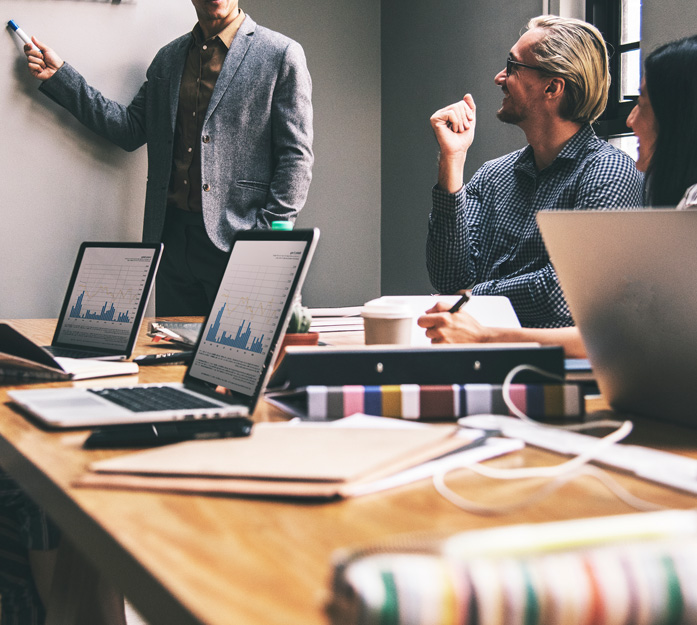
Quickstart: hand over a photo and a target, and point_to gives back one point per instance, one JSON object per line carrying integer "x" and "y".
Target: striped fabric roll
{"x": 438, "y": 403}
{"x": 639, "y": 583}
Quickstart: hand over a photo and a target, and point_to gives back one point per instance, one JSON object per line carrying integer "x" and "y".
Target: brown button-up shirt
{"x": 201, "y": 70}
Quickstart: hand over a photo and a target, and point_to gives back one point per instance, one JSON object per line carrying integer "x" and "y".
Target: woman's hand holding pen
{"x": 442, "y": 326}
{"x": 44, "y": 62}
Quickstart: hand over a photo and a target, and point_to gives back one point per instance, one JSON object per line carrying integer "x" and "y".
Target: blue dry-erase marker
{"x": 21, "y": 34}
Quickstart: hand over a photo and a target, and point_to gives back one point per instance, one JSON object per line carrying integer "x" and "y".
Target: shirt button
{"x": 189, "y": 149}
{"x": 206, "y": 139}
{"x": 206, "y": 187}
{"x": 186, "y": 182}
{"x": 194, "y": 113}
{"x": 205, "y": 47}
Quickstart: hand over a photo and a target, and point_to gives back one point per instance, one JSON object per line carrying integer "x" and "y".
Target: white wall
{"x": 61, "y": 184}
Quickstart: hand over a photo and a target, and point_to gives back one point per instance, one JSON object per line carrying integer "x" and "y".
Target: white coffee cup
{"x": 387, "y": 323}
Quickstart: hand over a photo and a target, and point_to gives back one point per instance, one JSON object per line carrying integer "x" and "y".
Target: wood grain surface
{"x": 224, "y": 560}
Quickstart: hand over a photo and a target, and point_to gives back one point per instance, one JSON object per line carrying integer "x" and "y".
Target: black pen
{"x": 167, "y": 358}
{"x": 460, "y": 303}
{"x": 155, "y": 434}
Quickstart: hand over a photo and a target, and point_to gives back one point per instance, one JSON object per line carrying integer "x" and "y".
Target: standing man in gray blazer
{"x": 226, "y": 113}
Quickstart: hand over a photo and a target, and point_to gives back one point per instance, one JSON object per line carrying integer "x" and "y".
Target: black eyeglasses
{"x": 511, "y": 64}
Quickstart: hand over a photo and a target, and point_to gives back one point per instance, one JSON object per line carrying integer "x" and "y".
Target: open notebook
{"x": 235, "y": 351}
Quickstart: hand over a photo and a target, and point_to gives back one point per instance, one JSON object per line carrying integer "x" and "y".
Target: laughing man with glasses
{"x": 483, "y": 235}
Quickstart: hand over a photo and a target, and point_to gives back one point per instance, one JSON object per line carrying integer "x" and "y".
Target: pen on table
{"x": 460, "y": 303}
{"x": 169, "y": 358}
{"x": 155, "y": 434}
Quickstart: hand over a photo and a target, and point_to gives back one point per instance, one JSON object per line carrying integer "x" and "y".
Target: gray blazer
{"x": 256, "y": 143}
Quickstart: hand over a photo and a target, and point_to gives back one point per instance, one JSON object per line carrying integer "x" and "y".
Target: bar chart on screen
{"x": 106, "y": 314}
{"x": 240, "y": 339}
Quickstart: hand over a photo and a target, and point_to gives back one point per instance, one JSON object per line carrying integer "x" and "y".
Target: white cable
{"x": 559, "y": 469}
{"x": 611, "y": 484}
{"x": 506, "y": 391}
{"x": 490, "y": 510}
{"x": 560, "y": 474}
{"x": 506, "y": 388}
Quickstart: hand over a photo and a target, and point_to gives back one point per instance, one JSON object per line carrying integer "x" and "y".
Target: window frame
{"x": 606, "y": 15}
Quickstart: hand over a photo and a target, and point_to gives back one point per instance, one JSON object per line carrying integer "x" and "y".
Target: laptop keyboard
{"x": 145, "y": 399}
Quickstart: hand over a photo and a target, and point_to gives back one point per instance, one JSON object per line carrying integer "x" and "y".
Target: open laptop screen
{"x": 251, "y": 309}
{"x": 106, "y": 298}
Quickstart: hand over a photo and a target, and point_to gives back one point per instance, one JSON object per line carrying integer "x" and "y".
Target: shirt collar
{"x": 226, "y": 35}
{"x": 577, "y": 143}
{"x": 571, "y": 151}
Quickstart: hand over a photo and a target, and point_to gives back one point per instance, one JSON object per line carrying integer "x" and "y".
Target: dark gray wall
{"x": 663, "y": 22}
{"x": 432, "y": 54}
{"x": 342, "y": 44}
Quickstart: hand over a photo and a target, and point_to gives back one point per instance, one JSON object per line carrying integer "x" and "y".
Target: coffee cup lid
{"x": 385, "y": 310}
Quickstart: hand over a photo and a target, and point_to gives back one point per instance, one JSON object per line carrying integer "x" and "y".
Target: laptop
{"x": 105, "y": 302}
{"x": 234, "y": 354}
{"x": 630, "y": 279}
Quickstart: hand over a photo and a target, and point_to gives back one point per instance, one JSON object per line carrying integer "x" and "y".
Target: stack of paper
{"x": 344, "y": 319}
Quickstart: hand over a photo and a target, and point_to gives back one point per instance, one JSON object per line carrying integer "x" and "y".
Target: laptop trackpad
{"x": 71, "y": 408}
{"x": 74, "y": 401}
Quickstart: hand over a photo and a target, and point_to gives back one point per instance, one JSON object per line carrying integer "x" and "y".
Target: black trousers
{"x": 191, "y": 267}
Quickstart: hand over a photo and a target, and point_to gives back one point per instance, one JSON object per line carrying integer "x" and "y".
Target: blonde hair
{"x": 576, "y": 51}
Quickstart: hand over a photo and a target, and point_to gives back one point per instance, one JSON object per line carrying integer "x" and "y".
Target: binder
{"x": 379, "y": 365}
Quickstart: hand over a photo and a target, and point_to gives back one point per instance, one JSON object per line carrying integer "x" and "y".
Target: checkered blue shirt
{"x": 485, "y": 236}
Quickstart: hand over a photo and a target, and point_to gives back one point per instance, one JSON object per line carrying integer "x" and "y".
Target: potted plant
{"x": 300, "y": 319}
{"x": 298, "y": 332}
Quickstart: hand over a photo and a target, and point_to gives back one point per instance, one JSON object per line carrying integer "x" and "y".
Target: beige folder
{"x": 279, "y": 460}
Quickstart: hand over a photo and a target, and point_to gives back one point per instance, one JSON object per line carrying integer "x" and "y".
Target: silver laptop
{"x": 233, "y": 357}
{"x": 630, "y": 279}
{"x": 105, "y": 301}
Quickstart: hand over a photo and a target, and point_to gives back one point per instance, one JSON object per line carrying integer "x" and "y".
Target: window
{"x": 620, "y": 23}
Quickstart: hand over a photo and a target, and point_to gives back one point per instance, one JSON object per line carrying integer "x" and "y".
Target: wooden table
{"x": 188, "y": 559}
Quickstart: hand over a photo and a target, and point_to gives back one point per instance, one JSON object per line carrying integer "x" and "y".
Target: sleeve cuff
{"x": 444, "y": 201}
